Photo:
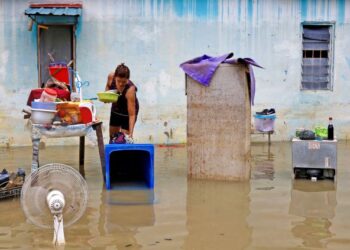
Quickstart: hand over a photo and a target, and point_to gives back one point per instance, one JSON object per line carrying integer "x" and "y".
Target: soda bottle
{"x": 330, "y": 129}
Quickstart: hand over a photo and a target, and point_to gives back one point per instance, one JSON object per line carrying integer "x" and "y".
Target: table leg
{"x": 101, "y": 148}
{"x": 36, "y": 137}
{"x": 35, "y": 158}
{"x": 81, "y": 155}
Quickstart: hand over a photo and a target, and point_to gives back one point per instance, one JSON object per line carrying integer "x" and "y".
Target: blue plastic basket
{"x": 272, "y": 116}
{"x": 264, "y": 123}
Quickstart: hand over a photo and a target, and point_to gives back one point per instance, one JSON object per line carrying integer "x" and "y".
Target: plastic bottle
{"x": 48, "y": 95}
{"x": 330, "y": 129}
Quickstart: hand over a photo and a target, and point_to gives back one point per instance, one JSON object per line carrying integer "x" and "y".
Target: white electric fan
{"x": 51, "y": 193}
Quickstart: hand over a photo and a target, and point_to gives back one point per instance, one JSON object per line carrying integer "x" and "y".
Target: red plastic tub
{"x": 60, "y": 72}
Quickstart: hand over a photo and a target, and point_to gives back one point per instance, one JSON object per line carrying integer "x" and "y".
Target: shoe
{"x": 21, "y": 172}
{"x": 14, "y": 181}
{"x": 4, "y": 181}
{"x": 271, "y": 111}
{"x": 264, "y": 112}
{"x": 4, "y": 178}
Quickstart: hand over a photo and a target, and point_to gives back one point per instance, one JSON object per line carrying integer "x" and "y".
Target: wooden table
{"x": 81, "y": 130}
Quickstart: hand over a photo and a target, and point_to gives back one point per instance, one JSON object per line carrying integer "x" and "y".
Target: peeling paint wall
{"x": 154, "y": 36}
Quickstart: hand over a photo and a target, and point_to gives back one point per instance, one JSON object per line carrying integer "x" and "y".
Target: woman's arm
{"x": 131, "y": 100}
{"x": 109, "y": 81}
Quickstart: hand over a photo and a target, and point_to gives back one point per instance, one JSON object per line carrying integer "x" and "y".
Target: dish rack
{"x": 10, "y": 192}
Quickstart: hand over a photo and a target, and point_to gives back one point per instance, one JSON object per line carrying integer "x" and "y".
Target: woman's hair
{"x": 122, "y": 71}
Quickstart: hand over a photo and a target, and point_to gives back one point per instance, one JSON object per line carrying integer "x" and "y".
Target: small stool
{"x": 129, "y": 166}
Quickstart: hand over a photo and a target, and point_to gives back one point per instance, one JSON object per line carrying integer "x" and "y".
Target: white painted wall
{"x": 154, "y": 37}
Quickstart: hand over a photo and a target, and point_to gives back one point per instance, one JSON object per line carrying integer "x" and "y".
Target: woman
{"x": 124, "y": 111}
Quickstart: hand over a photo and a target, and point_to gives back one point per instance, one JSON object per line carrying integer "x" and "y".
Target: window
{"x": 56, "y": 25}
{"x": 317, "y": 65}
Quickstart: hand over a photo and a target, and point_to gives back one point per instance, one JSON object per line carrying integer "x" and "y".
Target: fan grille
{"x": 54, "y": 176}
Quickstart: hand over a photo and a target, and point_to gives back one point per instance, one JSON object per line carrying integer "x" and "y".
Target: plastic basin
{"x": 107, "y": 96}
{"x": 42, "y": 116}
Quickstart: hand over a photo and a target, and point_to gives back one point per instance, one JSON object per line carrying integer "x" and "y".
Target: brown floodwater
{"x": 271, "y": 211}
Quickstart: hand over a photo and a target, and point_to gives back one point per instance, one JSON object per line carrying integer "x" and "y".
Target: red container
{"x": 60, "y": 72}
{"x": 85, "y": 114}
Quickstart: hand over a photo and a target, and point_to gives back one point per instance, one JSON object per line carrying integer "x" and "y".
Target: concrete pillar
{"x": 218, "y": 125}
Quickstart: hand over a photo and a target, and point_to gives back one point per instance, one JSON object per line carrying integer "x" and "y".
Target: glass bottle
{"x": 330, "y": 129}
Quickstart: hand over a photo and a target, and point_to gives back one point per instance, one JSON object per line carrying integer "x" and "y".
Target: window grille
{"x": 317, "y": 63}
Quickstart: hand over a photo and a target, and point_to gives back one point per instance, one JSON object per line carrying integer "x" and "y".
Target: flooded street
{"x": 271, "y": 211}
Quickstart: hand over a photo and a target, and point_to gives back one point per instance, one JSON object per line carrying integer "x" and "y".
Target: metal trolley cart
{"x": 314, "y": 159}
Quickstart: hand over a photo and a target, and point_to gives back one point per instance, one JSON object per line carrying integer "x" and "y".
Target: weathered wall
{"x": 154, "y": 37}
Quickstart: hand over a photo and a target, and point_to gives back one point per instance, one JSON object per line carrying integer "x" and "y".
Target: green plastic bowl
{"x": 107, "y": 96}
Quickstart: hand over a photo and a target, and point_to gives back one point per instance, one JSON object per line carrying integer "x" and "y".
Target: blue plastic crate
{"x": 129, "y": 166}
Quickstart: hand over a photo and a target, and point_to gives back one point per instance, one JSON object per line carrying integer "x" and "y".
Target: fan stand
{"x": 55, "y": 201}
{"x": 58, "y": 233}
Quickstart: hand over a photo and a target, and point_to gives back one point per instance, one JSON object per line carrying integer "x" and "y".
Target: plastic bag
{"x": 307, "y": 135}
{"x": 121, "y": 138}
{"x": 321, "y": 132}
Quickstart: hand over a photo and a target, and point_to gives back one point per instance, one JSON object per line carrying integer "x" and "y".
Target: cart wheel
{"x": 295, "y": 173}
{"x": 329, "y": 174}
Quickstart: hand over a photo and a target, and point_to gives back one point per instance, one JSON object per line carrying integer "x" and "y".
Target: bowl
{"x": 107, "y": 96}
{"x": 42, "y": 116}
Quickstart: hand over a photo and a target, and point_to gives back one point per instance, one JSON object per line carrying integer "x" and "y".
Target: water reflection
{"x": 263, "y": 164}
{"x": 316, "y": 203}
{"x": 263, "y": 170}
{"x": 265, "y": 213}
{"x": 216, "y": 215}
{"x": 118, "y": 205}
{"x": 112, "y": 221}
{"x": 116, "y": 219}
{"x": 17, "y": 232}
{"x": 130, "y": 197}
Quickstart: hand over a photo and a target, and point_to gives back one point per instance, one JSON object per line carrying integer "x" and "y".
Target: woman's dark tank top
{"x": 121, "y": 106}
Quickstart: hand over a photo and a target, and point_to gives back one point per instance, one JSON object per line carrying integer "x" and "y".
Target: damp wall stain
{"x": 159, "y": 35}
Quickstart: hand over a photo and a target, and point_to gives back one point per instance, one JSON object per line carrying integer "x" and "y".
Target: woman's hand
{"x": 127, "y": 132}
{"x": 109, "y": 81}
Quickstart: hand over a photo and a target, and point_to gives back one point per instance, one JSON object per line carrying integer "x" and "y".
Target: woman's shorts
{"x": 118, "y": 120}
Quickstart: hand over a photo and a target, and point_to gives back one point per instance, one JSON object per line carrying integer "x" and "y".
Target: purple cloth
{"x": 250, "y": 63}
{"x": 202, "y": 69}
